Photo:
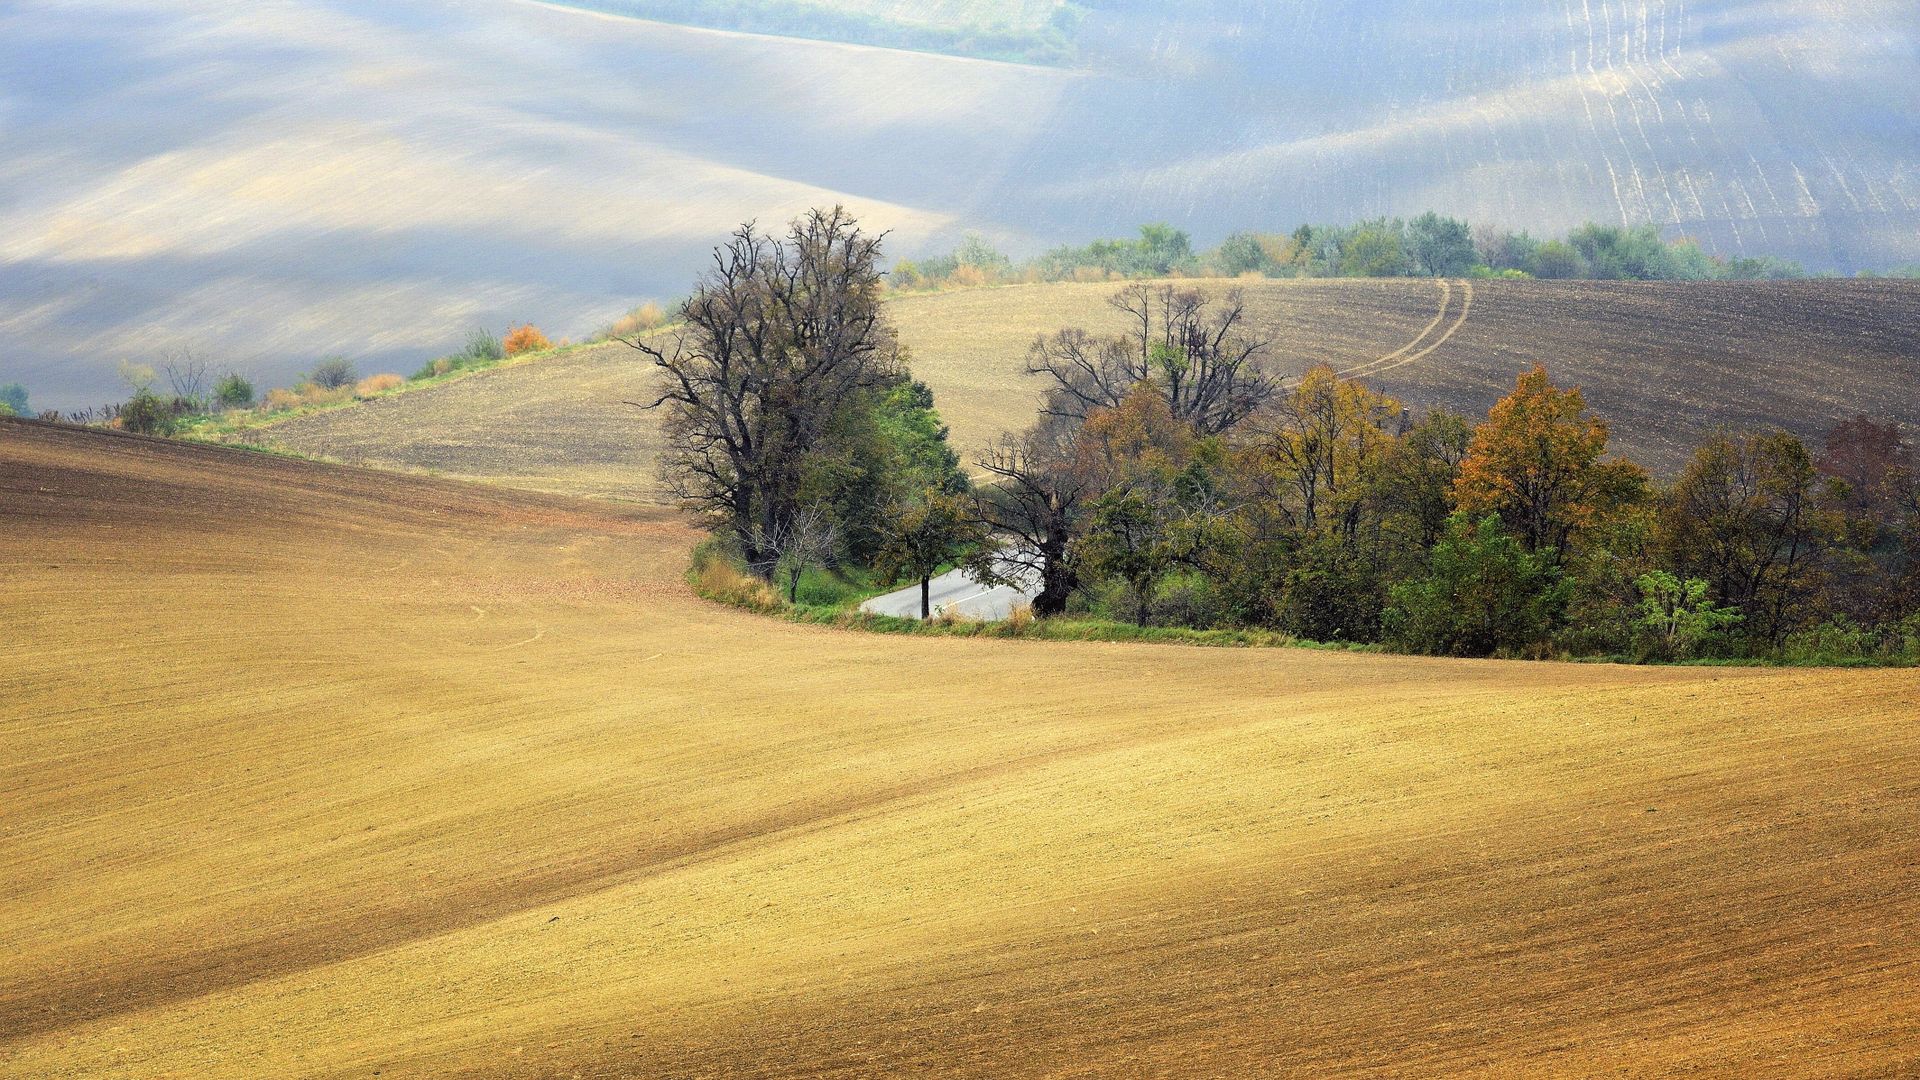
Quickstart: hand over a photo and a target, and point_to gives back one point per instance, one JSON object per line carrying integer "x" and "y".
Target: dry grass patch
{"x": 375, "y": 385}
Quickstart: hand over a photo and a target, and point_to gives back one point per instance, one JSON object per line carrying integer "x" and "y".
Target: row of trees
{"x": 185, "y": 389}
{"x": 1428, "y": 245}
{"x": 1170, "y": 478}
{"x": 1331, "y": 513}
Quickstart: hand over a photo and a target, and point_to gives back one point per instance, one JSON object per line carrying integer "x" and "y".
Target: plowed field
{"x": 314, "y": 771}
{"x": 1665, "y": 363}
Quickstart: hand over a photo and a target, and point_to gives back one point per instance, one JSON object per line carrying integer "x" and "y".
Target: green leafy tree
{"x": 1441, "y": 246}
{"x": 883, "y": 447}
{"x": 1555, "y": 260}
{"x": 332, "y": 373}
{"x": 13, "y": 398}
{"x": 1414, "y": 484}
{"x": 974, "y": 251}
{"x": 233, "y": 391}
{"x": 1242, "y": 253}
{"x": 932, "y": 530}
{"x": 1129, "y": 536}
{"x": 1161, "y": 248}
{"x": 1613, "y": 253}
{"x": 1676, "y": 616}
{"x": 1483, "y": 593}
{"x": 1374, "y": 250}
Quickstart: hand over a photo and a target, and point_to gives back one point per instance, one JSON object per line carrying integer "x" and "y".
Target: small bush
{"x": 969, "y": 277}
{"x": 640, "y": 320}
{"x": 13, "y": 397}
{"x": 1483, "y": 595}
{"x": 378, "y": 384}
{"x": 1020, "y": 619}
{"x": 717, "y": 576}
{"x": 147, "y": 413}
{"x": 482, "y": 347}
{"x": 525, "y": 339}
{"x": 233, "y": 391}
{"x": 280, "y": 399}
{"x": 332, "y": 373}
{"x": 1676, "y": 619}
{"x": 437, "y": 367}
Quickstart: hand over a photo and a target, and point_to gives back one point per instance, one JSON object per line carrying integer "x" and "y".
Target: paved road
{"x": 955, "y": 592}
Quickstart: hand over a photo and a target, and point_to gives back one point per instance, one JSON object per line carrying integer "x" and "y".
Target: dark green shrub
{"x": 1482, "y": 594}
{"x": 233, "y": 391}
{"x": 482, "y": 348}
{"x": 147, "y": 413}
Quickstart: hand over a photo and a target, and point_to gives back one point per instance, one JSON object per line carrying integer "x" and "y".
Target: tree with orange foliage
{"x": 1539, "y": 463}
{"x": 1135, "y": 441}
{"x": 525, "y": 339}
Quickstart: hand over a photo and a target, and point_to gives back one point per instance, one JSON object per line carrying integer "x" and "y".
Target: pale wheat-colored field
{"x": 314, "y": 771}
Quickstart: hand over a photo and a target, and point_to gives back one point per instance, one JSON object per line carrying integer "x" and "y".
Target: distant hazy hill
{"x": 275, "y": 181}
{"x": 1037, "y": 31}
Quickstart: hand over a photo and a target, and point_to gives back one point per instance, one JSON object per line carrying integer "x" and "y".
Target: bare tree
{"x": 805, "y": 539}
{"x": 190, "y": 377}
{"x": 1199, "y": 354}
{"x": 1033, "y": 510}
{"x": 775, "y": 339}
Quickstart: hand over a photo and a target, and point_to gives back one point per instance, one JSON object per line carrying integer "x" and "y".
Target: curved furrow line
{"x": 1466, "y": 309}
{"x": 1394, "y": 358}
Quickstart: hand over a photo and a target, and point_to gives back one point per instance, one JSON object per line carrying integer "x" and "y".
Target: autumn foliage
{"x": 525, "y": 339}
{"x": 1538, "y": 463}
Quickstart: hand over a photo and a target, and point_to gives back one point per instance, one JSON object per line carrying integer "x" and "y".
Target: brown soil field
{"x": 312, "y": 771}
{"x": 1664, "y": 362}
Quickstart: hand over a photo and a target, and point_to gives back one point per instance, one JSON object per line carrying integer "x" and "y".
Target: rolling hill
{"x": 1664, "y": 363}
{"x": 271, "y": 182}
{"x": 1033, "y": 31}
{"x": 314, "y": 771}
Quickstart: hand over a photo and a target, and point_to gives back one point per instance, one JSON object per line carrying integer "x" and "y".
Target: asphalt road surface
{"x": 956, "y": 592}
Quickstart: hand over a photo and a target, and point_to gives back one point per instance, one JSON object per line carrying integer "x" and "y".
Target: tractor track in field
{"x": 1412, "y": 351}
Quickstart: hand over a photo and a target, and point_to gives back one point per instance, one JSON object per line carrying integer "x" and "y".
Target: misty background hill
{"x": 272, "y": 182}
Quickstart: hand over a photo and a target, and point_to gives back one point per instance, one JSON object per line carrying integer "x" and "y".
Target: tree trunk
{"x": 1055, "y": 583}
{"x": 926, "y": 598}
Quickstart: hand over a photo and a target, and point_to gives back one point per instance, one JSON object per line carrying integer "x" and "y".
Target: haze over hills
{"x": 272, "y": 182}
